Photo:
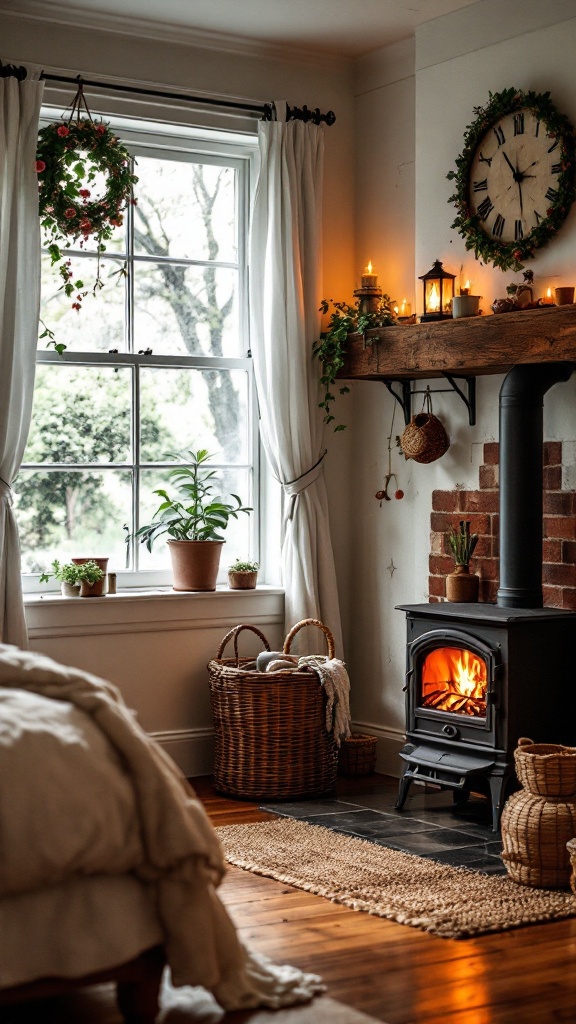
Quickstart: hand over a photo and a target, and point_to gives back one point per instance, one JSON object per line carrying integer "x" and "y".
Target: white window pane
{"x": 72, "y": 514}
{"x": 237, "y": 535}
{"x": 80, "y": 414}
{"x": 185, "y": 210}
{"x": 186, "y": 404}
{"x": 98, "y": 325}
{"x": 186, "y": 310}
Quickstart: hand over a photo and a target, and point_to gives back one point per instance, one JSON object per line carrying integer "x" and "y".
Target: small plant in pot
{"x": 243, "y": 575}
{"x": 193, "y": 520}
{"x": 462, "y": 585}
{"x": 75, "y": 580}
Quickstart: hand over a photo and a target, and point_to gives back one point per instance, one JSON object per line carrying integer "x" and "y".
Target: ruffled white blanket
{"x": 128, "y": 809}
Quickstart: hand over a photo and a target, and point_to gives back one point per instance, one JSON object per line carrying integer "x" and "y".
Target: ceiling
{"x": 346, "y": 28}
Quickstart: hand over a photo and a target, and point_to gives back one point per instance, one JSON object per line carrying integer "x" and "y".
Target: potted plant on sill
{"x": 243, "y": 575}
{"x": 193, "y": 521}
{"x": 76, "y": 579}
{"x": 462, "y": 585}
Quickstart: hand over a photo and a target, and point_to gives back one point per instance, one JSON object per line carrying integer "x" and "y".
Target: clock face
{"x": 514, "y": 175}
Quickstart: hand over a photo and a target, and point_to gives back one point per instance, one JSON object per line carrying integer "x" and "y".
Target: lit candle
{"x": 405, "y": 308}
{"x": 466, "y": 289}
{"x": 369, "y": 279}
{"x": 547, "y": 299}
{"x": 433, "y": 302}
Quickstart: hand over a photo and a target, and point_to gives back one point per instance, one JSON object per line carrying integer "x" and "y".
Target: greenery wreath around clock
{"x": 505, "y": 253}
{"x": 85, "y": 181}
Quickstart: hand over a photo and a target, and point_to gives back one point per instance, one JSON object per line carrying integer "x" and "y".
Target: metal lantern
{"x": 438, "y": 293}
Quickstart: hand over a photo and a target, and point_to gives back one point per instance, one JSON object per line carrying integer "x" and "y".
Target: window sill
{"x": 50, "y": 615}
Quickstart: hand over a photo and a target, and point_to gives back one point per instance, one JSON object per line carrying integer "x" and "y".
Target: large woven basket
{"x": 270, "y": 730}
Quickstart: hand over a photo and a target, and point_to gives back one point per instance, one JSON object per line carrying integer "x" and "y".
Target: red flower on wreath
{"x": 62, "y": 131}
{"x": 70, "y": 213}
{"x": 40, "y": 166}
{"x": 84, "y": 192}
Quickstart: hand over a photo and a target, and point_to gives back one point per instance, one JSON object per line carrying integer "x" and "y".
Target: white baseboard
{"x": 191, "y": 749}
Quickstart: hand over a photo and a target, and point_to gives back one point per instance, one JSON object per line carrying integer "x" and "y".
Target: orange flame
{"x": 454, "y": 680}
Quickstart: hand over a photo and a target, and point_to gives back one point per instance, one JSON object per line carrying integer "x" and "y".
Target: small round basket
{"x": 357, "y": 755}
{"x": 546, "y": 769}
{"x": 425, "y": 439}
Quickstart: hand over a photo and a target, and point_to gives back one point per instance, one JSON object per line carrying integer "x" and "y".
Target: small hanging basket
{"x": 425, "y": 439}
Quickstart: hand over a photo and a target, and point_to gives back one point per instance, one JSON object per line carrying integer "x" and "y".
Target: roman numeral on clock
{"x": 518, "y": 124}
{"x": 485, "y": 208}
{"x": 553, "y": 146}
{"x": 518, "y": 231}
{"x": 537, "y": 130}
{"x": 485, "y": 159}
{"x": 538, "y": 216}
{"x": 500, "y": 137}
{"x": 556, "y": 168}
{"x": 498, "y": 228}
{"x": 480, "y": 186}
{"x": 551, "y": 194}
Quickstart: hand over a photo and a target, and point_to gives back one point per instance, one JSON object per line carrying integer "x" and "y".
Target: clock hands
{"x": 510, "y": 166}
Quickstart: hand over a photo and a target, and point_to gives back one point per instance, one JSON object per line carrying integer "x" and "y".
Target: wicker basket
{"x": 270, "y": 727}
{"x": 546, "y": 769}
{"x": 357, "y": 755}
{"x": 539, "y": 821}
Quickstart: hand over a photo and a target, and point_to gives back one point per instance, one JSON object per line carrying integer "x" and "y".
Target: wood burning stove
{"x": 480, "y": 676}
{"x": 477, "y": 678}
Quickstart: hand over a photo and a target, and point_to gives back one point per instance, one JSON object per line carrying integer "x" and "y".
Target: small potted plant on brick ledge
{"x": 462, "y": 585}
{"x": 243, "y": 575}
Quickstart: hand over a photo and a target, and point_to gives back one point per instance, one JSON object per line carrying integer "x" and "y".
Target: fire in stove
{"x": 454, "y": 680}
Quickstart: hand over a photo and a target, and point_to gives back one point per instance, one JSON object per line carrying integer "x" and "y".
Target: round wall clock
{"x": 515, "y": 178}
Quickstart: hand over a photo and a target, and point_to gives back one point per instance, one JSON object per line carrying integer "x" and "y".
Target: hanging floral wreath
{"x": 73, "y": 158}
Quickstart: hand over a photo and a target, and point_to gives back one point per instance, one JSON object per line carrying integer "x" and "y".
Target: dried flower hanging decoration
{"x": 383, "y": 495}
{"x": 72, "y": 158}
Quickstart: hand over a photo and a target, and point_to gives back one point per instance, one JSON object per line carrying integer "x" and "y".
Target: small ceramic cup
{"x": 465, "y": 305}
{"x": 564, "y": 296}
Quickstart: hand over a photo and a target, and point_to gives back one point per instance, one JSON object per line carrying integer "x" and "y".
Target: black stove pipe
{"x": 521, "y": 486}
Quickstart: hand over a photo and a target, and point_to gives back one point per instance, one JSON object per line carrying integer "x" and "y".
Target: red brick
{"x": 481, "y": 501}
{"x": 553, "y": 597}
{"x": 441, "y": 522}
{"x": 558, "y": 503}
{"x": 563, "y": 527}
{"x": 487, "y": 568}
{"x": 489, "y": 476}
{"x": 559, "y": 575}
{"x": 436, "y": 586}
{"x": 492, "y": 453}
{"x": 445, "y": 501}
{"x": 552, "y": 551}
{"x": 439, "y": 565}
{"x": 488, "y": 591}
{"x": 552, "y": 453}
{"x": 568, "y": 553}
{"x": 483, "y": 548}
{"x": 552, "y": 478}
{"x": 433, "y": 600}
{"x": 569, "y": 598}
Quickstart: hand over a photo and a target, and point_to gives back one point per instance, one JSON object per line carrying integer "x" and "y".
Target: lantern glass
{"x": 438, "y": 293}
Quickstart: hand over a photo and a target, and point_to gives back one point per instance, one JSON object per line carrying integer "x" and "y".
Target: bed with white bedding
{"x": 106, "y": 855}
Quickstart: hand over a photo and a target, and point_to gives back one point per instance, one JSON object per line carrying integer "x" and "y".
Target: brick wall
{"x": 481, "y": 508}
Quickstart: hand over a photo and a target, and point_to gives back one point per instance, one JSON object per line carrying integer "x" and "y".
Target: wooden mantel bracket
{"x": 404, "y": 397}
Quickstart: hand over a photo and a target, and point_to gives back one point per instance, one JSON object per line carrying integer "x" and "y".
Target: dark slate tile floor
{"x": 430, "y": 825}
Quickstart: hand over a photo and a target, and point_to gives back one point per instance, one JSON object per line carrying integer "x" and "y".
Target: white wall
{"x": 424, "y": 101}
{"x": 156, "y": 650}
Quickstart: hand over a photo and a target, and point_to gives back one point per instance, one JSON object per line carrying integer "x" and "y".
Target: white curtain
{"x": 19, "y": 308}
{"x": 285, "y": 293}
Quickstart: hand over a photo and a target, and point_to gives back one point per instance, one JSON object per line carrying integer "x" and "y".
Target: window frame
{"x": 203, "y": 146}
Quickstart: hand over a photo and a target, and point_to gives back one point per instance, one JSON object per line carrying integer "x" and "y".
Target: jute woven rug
{"x": 448, "y": 901}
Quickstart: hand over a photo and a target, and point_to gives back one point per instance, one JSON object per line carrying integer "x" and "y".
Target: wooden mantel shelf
{"x": 467, "y": 347}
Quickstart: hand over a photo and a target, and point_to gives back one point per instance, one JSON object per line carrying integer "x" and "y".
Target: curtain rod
{"x": 266, "y": 110}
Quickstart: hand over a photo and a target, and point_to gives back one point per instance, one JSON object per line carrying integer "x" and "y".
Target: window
{"x": 156, "y": 362}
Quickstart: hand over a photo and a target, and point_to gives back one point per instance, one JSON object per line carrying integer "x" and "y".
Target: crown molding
{"x": 75, "y": 17}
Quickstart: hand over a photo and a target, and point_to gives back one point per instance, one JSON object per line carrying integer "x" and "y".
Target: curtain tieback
{"x": 5, "y": 492}
{"x": 295, "y": 487}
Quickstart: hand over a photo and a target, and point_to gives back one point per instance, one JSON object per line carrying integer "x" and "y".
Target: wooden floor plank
{"x": 393, "y": 972}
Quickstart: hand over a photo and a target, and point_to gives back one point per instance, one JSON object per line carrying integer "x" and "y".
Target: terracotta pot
{"x": 195, "y": 563}
{"x": 462, "y": 585}
{"x": 242, "y": 579}
{"x": 97, "y": 589}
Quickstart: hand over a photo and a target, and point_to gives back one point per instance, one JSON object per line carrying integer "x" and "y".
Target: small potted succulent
{"x": 462, "y": 585}
{"x": 243, "y": 575}
{"x": 76, "y": 580}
